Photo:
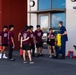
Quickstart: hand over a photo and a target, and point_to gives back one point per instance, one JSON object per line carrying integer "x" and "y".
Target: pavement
{"x": 42, "y": 66}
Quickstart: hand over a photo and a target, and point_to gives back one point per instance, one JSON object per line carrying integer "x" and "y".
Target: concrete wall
{"x": 32, "y": 18}
{"x": 71, "y": 25}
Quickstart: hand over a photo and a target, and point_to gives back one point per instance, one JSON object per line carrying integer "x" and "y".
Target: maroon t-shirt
{"x": 51, "y": 35}
{"x": 21, "y": 33}
{"x": 25, "y": 35}
{"x": 32, "y": 37}
{"x": 4, "y": 36}
{"x": 10, "y": 34}
{"x": 38, "y": 35}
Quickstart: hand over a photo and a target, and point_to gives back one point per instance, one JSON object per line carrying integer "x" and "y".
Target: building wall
{"x": 71, "y": 25}
{"x": 32, "y": 18}
{"x": 14, "y": 12}
{"x": 0, "y": 14}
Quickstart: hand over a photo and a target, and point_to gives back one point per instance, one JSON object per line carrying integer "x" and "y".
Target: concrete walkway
{"x": 43, "y": 66}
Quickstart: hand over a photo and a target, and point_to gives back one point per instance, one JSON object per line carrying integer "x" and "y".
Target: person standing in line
{"x": 64, "y": 38}
{"x": 39, "y": 41}
{"x": 32, "y": 40}
{"x": 19, "y": 39}
{"x": 4, "y": 42}
{"x": 19, "y": 35}
{"x": 51, "y": 42}
{"x": 25, "y": 45}
{"x": 11, "y": 42}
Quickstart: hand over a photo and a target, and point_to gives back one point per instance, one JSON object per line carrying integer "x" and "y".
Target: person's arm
{"x": 65, "y": 33}
{"x": 21, "y": 42}
{"x": 0, "y": 40}
{"x": 12, "y": 39}
{"x": 19, "y": 36}
{"x": 48, "y": 35}
{"x": 64, "y": 30}
{"x": 26, "y": 39}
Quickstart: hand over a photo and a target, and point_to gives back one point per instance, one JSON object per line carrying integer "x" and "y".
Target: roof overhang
{"x": 48, "y": 11}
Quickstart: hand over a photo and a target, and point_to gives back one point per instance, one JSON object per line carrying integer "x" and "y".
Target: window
{"x": 44, "y": 4}
{"x": 56, "y": 17}
{"x": 56, "y": 4}
{"x": 44, "y": 23}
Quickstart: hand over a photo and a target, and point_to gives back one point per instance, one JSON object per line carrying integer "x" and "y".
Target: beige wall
{"x": 71, "y": 25}
{"x": 32, "y": 18}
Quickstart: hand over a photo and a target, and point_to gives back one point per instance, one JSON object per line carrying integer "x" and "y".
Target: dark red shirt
{"x": 25, "y": 35}
{"x": 10, "y": 34}
{"x": 4, "y": 36}
{"x": 51, "y": 35}
{"x": 38, "y": 35}
{"x": 32, "y": 37}
{"x": 21, "y": 33}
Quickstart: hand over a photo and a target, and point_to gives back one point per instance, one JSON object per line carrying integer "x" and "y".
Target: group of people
{"x": 28, "y": 39}
{"x": 7, "y": 40}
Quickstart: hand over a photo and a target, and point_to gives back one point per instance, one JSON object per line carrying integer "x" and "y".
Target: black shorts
{"x": 5, "y": 45}
{"x": 51, "y": 42}
{"x": 38, "y": 45}
{"x": 25, "y": 47}
{"x": 32, "y": 46}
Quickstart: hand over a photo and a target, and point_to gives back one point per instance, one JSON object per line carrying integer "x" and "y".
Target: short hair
{"x": 5, "y": 26}
{"x": 26, "y": 28}
{"x": 50, "y": 29}
{"x": 30, "y": 26}
{"x": 11, "y": 26}
{"x": 61, "y": 22}
{"x": 38, "y": 26}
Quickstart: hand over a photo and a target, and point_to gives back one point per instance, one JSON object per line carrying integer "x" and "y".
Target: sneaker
{"x": 12, "y": 59}
{"x": 0, "y": 55}
{"x": 38, "y": 55}
{"x": 31, "y": 62}
{"x": 5, "y": 57}
{"x": 50, "y": 56}
{"x": 41, "y": 55}
{"x": 25, "y": 62}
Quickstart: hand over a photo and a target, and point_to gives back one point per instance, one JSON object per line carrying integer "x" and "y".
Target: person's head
{"x": 26, "y": 28}
{"x": 51, "y": 30}
{"x": 5, "y": 28}
{"x": 11, "y": 27}
{"x": 60, "y": 23}
{"x": 31, "y": 28}
{"x": 38, "y": 27}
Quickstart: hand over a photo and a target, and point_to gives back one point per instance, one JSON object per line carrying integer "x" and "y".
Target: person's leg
{"x": 4, "y": 52}
{"x": 40, "y": 48}
{"x": 24, "y": 54}
{"x": 50, "y": 51}
{"x": 37, "y": 46}
{"x": 63, "y": 47}
{"x": 33, "y": 50}
{"x": 29, "y": 55}
{"x": 10, "y": 52}
{"x": 57, "y": 53}
{"x": 53, "y": 47}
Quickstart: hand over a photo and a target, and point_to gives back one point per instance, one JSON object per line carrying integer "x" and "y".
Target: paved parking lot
{"x": 43, "y": 66}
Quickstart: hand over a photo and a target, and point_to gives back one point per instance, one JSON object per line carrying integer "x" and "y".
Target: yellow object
{"x": 58, "y": 40}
